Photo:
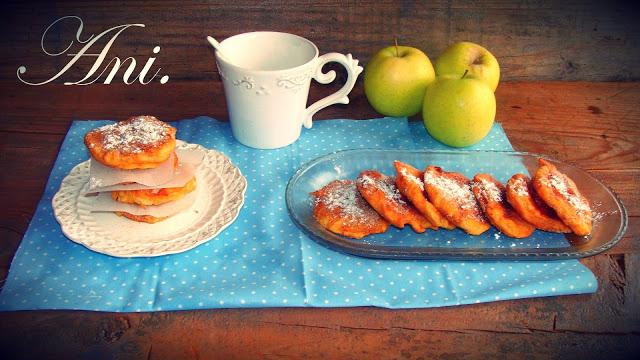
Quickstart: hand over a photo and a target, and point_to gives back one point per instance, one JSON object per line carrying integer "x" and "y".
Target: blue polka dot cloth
{"x": 263, "y": 259}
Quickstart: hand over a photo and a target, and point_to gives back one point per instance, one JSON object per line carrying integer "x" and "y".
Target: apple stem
{"x": 396, "y": 41}
{"x": 465, "y": 73}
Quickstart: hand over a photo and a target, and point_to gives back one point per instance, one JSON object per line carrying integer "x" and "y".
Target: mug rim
{"x": 228, "y": 63}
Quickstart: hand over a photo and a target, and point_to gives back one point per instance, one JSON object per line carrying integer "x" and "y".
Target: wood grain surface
{"x": 533, "y": 40}
{"x": 595, "y": 125}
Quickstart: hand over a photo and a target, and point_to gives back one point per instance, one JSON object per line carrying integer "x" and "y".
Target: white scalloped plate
{"x": 221, "y": 189}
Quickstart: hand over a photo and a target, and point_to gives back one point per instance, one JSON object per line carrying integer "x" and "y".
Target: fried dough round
{"x": 451, "y": 194}
{"x": 340, "y": 208}
{"x": 381, "y": 193}
{"x": 409, "y": 182}
{"x": 562, "y": 195}
{"x": 140, "y": 142}
{"x": 147, "y": 197}
{"x": 490, "y": 194}
{"x": 141, "y": 218}
{"x": 527, "y": 203}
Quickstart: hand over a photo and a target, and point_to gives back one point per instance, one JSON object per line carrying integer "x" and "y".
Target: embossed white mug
{"x": 266, "y": 77}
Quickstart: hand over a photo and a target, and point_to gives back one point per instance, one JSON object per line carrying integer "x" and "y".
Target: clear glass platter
{"x": 609, "y": 225}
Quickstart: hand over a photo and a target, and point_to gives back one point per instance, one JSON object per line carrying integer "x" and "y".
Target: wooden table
{"x": 593, "y": 125}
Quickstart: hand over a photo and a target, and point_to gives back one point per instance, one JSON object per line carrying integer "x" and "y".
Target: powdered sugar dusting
{"x": 559, "y": 183}
{"x": 520, "y": 187}
{"x": 344, "y": 197}
{"x": 488, "y": 190}
{"x": 600, "y": 215}
{"x": 133, "y": 135}
{"x": 457, "y": 191}
{"x": 412, "y": 178}
{"x": 386, "y": 185}
{"x": 95, "y": 182}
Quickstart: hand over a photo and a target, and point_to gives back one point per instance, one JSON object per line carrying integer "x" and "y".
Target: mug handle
{"x": 340, "y": 96}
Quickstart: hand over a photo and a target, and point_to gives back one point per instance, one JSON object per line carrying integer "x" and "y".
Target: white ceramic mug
{"x": 266, "y": 77}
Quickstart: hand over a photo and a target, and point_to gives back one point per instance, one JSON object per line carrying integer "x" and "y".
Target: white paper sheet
{"x": 104, "y": 203}
{"x": 104, "y": 178}
{"x": 182, "y": 175}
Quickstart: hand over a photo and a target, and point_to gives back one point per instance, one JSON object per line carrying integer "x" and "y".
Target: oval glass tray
{"x": 609, "y": 225}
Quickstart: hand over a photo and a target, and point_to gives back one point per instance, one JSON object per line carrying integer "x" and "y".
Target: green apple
{"x": 458, "y": 111}
{"x": 395, "y": 80}
{"x": 463, "y": 56}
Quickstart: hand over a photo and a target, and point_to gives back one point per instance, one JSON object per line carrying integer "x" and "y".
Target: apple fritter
{"x": 141, "y": 218}
{"x": 527, "y": 203}
{"x": 409, "y": 182}
{"x": 561, "y": 194}
{"x": 491, "y": 196}
{"x": 381, "y": 193}
{"x": 140, "y": 142}
{"x": 147, "y": 197}
{"x": 451, "y": 194}
{"x": 340, "y": 208}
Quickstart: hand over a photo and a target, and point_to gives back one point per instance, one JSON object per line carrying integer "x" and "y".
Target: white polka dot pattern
{"x": 262, "y": 259}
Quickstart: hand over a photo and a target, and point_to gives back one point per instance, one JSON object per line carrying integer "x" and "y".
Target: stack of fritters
{"x": 436, "y": 198}
{"x": 140, "y": 142}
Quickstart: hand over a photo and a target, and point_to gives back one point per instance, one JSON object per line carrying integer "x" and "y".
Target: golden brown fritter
{"x": 409, "y": 182}
{"x": 141, "y": 218}
{"x": 140, "y": 142}
{"x": 491, "y": 197}
{"x": 147, "y": 197}
{"x": 561, "y": 194}
{"x": 527, "y": 203}
{"x": 451, "y": 194}
{"x": 382, "y": 194}
{"x": 341, "y": 209}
